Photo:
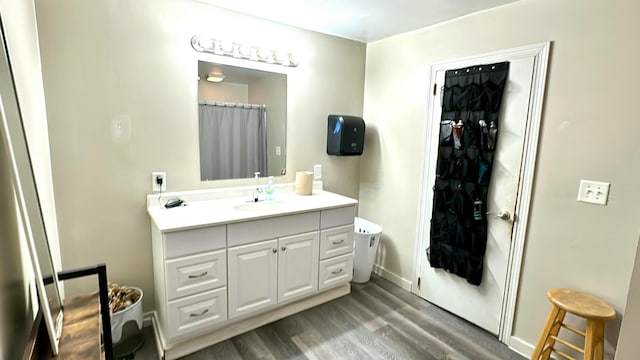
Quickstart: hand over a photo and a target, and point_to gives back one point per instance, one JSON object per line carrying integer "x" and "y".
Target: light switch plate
{"x": 593, "y": 192}
{"x": 317, "y": 172}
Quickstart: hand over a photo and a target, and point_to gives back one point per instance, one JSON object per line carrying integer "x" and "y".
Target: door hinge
{"x": 419, "y": 279}
{"x": 435, "y": 88}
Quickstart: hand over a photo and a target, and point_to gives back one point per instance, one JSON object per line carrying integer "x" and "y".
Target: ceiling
{"x": 360, "y": 20}
{"x": 232, "y": 74}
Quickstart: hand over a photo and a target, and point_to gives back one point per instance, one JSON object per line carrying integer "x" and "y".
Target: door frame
{"x": 540, "y": 53}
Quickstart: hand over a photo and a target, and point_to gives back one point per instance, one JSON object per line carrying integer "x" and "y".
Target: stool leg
{"x": 594, "y": 340}
{"x": 552, "y": 327}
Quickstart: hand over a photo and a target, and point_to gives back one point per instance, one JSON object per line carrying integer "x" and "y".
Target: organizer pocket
{"x": 446, "y": 132}
{"x": 472, "y": 134}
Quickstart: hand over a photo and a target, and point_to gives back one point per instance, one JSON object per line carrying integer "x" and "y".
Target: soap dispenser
{"x": 270, "y": 190}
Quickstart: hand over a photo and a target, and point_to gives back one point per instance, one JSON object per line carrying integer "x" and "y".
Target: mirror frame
{"x": 251, "y": 65}
{"x": 27, "y": 193}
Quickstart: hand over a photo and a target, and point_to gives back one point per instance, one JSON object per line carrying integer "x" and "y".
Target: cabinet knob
{"x": 283, "y": 248}
{"x": 275, "y": 250}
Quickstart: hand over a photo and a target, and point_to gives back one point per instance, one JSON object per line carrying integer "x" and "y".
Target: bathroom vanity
{"x": 224, "y": 265}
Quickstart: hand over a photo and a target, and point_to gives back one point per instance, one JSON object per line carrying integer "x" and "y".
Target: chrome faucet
{"x": 255, "y": 197}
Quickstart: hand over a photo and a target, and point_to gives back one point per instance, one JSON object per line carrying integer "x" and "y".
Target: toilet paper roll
{"x": 304, "y": 182}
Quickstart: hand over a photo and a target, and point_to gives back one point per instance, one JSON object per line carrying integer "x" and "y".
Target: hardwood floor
{"x": 378, "y": 320}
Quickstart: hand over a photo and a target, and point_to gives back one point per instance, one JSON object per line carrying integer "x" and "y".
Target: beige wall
{"x": 263, "y": 91}
{"x": 592, "y": 84}
{"x": 228, "y": 92}
{"x": 133, "y": 59}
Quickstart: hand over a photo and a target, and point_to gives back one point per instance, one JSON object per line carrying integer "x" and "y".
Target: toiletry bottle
{"x": 270, "y": 190}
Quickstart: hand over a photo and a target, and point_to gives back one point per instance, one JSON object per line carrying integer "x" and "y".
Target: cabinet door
{"x": 297, "y": 265}
{"x": 253, "y": 277}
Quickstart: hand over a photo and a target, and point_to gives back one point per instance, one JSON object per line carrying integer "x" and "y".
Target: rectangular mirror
{"x": 15, "y": 145}
{"x": 242, "y": 122}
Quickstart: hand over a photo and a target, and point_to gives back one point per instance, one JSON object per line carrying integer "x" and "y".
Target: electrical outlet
{"x": 156, "y": 177}
{"x": 317, "y": 172}
{"x": 593, "y": 192}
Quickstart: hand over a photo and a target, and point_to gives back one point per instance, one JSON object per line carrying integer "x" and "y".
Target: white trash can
{"x": 131, "y": 313}
{"x": 366, "y": 238}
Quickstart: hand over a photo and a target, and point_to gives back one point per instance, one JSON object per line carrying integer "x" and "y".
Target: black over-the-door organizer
{"x": 468, "y": 136}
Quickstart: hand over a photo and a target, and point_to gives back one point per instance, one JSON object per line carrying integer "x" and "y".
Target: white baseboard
{"x": 398, "y": 280}
{"x": 521, "y": 347}
{"x": 149, "y": 319}
{"x": 524, "y": 348}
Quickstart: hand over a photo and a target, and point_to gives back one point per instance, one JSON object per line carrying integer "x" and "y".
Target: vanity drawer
{"x": 198, "y": 312}
{"x": 336, "y": 217}
{"x": 272, "y": 228}
{"x": 194, "y": 241}
{"x": 335, "y": 271}
{"x": 336, "y": 241}
{"x": 196, "y": 273}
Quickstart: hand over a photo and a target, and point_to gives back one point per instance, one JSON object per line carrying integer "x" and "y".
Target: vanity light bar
{"x": 242, "y": 51}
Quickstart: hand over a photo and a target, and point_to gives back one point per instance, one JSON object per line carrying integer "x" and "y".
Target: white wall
{"x": 589, "y": 131}
{"x": 134, "y": 60}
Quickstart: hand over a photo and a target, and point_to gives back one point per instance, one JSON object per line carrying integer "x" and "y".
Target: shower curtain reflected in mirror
{"x": 233, "y": 143}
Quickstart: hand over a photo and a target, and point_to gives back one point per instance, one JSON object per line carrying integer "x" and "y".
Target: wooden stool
{"x": 594, "y": 310}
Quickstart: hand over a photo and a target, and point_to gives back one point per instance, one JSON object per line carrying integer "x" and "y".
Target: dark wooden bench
{"x": 80, "y": 338}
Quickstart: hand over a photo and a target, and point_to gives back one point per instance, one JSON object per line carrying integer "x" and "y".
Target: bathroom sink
{"x": 260, "y": 206}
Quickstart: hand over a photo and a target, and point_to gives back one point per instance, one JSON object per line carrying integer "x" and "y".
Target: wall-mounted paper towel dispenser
{"x": 345, "y": 135}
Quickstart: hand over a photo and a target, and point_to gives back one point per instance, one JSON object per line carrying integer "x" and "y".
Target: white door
{"x": 482, "y": 305}
{"x": 297, "y": 266}
{"x": 253, "y": 277}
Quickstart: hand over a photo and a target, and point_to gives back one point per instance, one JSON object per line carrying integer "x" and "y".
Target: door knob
{"x": 504, "y": 215}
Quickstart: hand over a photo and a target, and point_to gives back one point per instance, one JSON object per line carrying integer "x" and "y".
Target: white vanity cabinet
{"x": 221, "y": 277}
{"x": 263, "y": 273}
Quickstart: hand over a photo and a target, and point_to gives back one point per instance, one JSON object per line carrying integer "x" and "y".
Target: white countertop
{"x": 209, "y": 212}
